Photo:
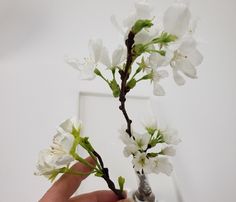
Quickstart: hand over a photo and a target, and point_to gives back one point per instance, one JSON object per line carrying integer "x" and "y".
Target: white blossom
{"x": 70, "y": 124}
{"x": 158, "y": 90}
{"x": 185, "y": 59}
{"x": 142, "y": 163}
{"x": 86, "y": 68}
{"x": 135, "y": 143}
{"x": 169, "y": 151}
{"x": 170, "y": 136}
{"x": 161, "y": 165}
{"x": 150, "y": 122}
{"x": 143, "y": 10}
{"x": 118, "y": 56}
{"x": 58, "y": 156}
{"x": 176, "y": 19}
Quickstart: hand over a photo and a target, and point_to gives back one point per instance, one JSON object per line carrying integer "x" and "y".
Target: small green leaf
{"x": 121, "y": 182}
{"x": 141, "y": 24}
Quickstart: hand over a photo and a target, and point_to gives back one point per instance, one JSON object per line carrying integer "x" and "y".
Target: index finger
{"x": 67, "y": 184}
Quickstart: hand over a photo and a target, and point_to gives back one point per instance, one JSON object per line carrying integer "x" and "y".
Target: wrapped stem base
{"x": 144, "y": 192}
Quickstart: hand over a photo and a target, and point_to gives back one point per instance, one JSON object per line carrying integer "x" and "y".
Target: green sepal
{"x": 54, "y": 173}
{"x": 115, "y": 88}
{"x": 151, "y": 131}
{"x": 139, "y": 49}
{"x": 141, "y": 24}
{"x": 152, "y": 155}
{"x": 142, "y": 65}
{"x": 86, "y": 144}
{"x": 164, "y": 39}
{"x": 121, "y": 182}
{"x": 97, "y": 72}
{"x": 98, "y": 174}
{"x": 147, "y": 76}
{"x": 132, "y": 83}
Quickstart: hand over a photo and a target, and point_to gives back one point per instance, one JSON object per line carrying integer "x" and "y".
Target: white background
{"x": 38, "y": 90}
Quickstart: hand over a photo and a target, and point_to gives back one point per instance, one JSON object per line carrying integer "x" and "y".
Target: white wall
{"x": 38, "y": 91}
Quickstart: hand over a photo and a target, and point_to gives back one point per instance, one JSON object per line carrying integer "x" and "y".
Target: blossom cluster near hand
{"x": 150, "y": 51}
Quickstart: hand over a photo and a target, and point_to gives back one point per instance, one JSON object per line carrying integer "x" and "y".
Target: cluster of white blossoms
{"x": 150, "y": 150}
{"x": 59, "y": 156}
{"x": 168, "y": 43}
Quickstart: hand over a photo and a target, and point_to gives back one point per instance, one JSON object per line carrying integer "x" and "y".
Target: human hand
{"x": 66, "y": 185}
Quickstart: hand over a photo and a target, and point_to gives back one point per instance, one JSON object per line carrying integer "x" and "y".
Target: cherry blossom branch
{"x": 124, "y": 75}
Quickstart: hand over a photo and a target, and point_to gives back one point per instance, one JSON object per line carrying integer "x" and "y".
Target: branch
{"x": 124, "y": 75}
{"x": 106, "y": 177}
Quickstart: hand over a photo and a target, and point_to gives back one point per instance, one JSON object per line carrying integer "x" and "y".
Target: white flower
{"x": 169, "y": 151}
{"x": 146, "y": 35}
{"x": 176, "y": 19}
{"x": 58, "y": 156}
{"x": 142, "y": 163}
{"x": 185, "y": 59}
{"x": 118, "y": 56}
{"x": 157, "y": 76}
{"x": 142, "y": 11}
{"x": 150, "y": 122}
{"x": 62, "y": 143}
{"x": 70, "y": 124}
{"x": 170, "y": 136}
{"x": 156, "y": 60}
{"x": 86, "y": 68}
{"x": 161, "y": 165}
{"x": 135, "y": 143}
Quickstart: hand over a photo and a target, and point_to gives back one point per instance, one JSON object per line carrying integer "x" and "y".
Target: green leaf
{"x": 141, "y": 24}
{"x": 132, "y": 83}
{"x": 121, "y": 182}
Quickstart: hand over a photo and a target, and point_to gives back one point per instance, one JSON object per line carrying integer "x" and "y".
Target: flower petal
{"x": 195, "y": 57}
{"x": 186, "y": 67}
{"x": 118, "y": 56}
{"x": 178, "y": 78}
{"x": 105, "y": 59}
{"x": 176, "y": 19}
{"x": 95, "y": 49}
{"x": 158, "y": 89}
